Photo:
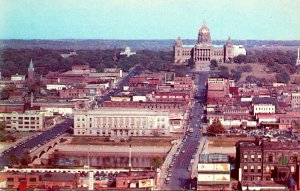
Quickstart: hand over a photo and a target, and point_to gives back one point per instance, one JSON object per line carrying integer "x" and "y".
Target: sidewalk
{"x": 201, "y": 149}
{"x": 163, "y": 169}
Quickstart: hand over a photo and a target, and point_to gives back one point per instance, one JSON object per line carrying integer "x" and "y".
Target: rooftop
{"x": 213, "y": 158}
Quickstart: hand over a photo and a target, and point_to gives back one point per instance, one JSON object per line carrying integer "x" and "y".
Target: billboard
{"x": 214, "y": 167}
{"x": 222, "y": 167}
{"x": 205, "y": 167}
{"x": 221, "y": 177}
{"x": 146, "y": 183}
{"x": 209, "y": 177}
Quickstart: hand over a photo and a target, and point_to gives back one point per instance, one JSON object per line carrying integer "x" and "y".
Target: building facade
{"x": 268, "y": 164}
{"x": 28, "y": 121}
{"x": 213, "y": 172}
{"x": 121, "y": 122}
{"x": 203, "y": 52}
{"x": 295, "y": 100}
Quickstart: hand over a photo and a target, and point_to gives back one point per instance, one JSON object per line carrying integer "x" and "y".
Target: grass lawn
{"x": 135, "y": 141}
{"x": 258, "y": 70}
{"x": 227, "y": 141}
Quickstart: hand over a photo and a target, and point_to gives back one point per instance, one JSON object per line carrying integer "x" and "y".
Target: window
{"x": 252, "y": 168}
{"x": 258, "y": 168}
{"x": 245, "y": 168}
{"x": 10, "y": 179}
{"x": 270, "y": 158}
{"x": 32, "y": 179}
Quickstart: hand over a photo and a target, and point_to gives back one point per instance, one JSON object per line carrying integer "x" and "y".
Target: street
{"x": 181, "y": 174}
{"x": 32, "y": 142}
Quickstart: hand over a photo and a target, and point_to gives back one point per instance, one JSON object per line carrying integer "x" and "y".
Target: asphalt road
{"x": 180, "y": 178}
{"x": 32, "y": 142}
{"x": 119, "y": 87}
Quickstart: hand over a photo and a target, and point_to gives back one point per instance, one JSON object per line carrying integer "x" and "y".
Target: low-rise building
{"x": 121, "y": 122}
{"x": 213, "y": 172}
{"x": 28, "y": 121}
{"x": 270, "y": 164}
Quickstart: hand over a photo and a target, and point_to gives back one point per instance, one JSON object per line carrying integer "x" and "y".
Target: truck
{"x": 191, "y": 130}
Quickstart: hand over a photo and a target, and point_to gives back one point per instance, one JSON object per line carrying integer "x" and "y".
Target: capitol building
{"x": 203, "y": 52}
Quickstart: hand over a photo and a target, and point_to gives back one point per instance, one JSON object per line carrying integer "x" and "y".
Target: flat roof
{"x": 213, "y": 158}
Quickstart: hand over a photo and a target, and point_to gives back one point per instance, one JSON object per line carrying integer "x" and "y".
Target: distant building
{"x": 127, "y": 52}
{"x": 17, "y": 77}
{"x": 298, "y": 57}
{"x": 203, "y": 52}
{"x": 239, "y": 50}
{"x": 121, "y": 122}
{"x": 68, "y": 55}
{"x": 295, "y": 100}
{"x": 28, "y": 121}
{"x": 30, "y": 75}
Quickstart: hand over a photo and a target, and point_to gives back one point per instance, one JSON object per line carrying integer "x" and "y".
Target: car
{"x": 183, "y": 151}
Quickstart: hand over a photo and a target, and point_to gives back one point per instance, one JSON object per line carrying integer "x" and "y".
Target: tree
{"x": 2, "y": 125}
{"x": 240, "y": 59}
{"x": 213, "y": 64}
{"x": 216, "y": 127}
{"x": 26, "y": 158}
{"x": 13, "y": 160}
{"x": 283, "y": 77}
{"x": 157, "y": 161}
{"x": 223, "y": 72}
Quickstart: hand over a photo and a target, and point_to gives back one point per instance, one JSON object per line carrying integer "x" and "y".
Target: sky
{"x": 149, "y": 19}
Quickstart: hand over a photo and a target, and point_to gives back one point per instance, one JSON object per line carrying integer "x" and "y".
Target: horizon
{"x": 148, "y": 20}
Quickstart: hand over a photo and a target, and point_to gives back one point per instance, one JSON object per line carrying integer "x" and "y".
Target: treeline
{"x": 17, "y": 60}
{"x": 135, "y": 45}
{"x": 268, "y": 56}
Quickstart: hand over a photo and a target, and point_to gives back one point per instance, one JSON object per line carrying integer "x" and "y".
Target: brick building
{"x": 268, "y": 164}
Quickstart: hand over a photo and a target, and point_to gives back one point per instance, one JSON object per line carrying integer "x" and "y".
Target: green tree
{"x": 157, "y": 161}
{"x": 283, "y": 77}
{"x": 26, "y": 158}
{"x": 213, "y": 64}
{"x": 216, "y": 127}
{"x": 13, "y": 160}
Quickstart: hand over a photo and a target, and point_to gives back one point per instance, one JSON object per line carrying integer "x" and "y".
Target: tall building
{"x": 30, "y": 75}
{"x": 298, "y": 58}
{"x": 203, "y": 52}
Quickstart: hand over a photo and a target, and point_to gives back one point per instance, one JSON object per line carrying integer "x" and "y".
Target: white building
{"x": 17, "y": 77}
{"x": 295, "y": 99}
{"x": 127, "y": 52}
{"x": 263, "y": 108}
{"x": 56, "y": 86}
{"x": 28, "y": 121}
{"x": 239, "y": 50}
{"x": 121, "y": 122}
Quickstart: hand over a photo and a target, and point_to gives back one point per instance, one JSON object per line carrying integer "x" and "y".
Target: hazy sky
{"x": 151, "y": 19}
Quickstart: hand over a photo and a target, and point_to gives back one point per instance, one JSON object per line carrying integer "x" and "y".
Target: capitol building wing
{"x": 203, "y": 52}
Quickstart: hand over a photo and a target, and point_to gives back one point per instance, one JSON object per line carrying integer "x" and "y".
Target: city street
{"x": 40, "y": 139}
{"x": 181, "y": 174}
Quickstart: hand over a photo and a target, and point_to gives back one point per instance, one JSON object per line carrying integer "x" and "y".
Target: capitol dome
{"x": 204, "y": 28}
{"x": 204, "y": 35}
